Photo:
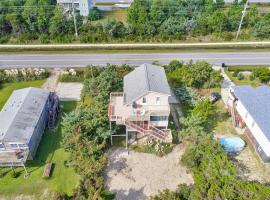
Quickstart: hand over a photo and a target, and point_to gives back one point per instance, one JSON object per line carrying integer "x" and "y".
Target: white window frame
{"x": 158, "y": 100}
{"x": 2, "y": 148}
{"x": 144, "y": 102}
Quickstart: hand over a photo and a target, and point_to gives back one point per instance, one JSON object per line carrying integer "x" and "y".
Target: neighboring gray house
{"x": 250, "y": 109}
{"x": 23, "y": 120}
{"x": 81, "y": 5}
{"x": 144, "y": 106}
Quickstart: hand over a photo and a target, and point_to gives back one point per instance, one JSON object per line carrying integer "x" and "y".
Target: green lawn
{"x": 7, "y": 88}
{"x": 63, "y": 179}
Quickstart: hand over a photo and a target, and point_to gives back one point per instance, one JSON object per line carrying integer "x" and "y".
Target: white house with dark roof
{"x": 250, "y": 109}
{"x": 143, "y": 107}
{"x": 81, "y": 5}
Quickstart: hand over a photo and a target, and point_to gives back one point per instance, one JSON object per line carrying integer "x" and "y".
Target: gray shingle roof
{"x": 257, "y": 102}
{"x": 144, "y": 79}
{"x": 21, "y": 113}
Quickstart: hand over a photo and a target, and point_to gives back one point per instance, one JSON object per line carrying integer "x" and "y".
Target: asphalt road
{"x": 135, "y": 59}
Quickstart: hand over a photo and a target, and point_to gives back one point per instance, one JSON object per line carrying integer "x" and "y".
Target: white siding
{"x": 254, "y": 128}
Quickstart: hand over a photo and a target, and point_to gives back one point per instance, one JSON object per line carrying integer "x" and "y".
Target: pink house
{"x": 143, "y": 107}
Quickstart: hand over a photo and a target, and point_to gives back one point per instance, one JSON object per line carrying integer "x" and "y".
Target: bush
{"x": 182, "y": 193}
{"x": 44, "y": 39}
{"x": 71, "y": 75}
{"x": 23, "y": 74}
{"x": 262, "y": 74}
{"x": 158, "y": 148}
{"x": 240, "y": 76}
{"x": 4, "y": 39}
{"x": 94, "y": 14}
{"x": 252, "y": 77}
{"x": 14, "y": 174}
{"x": 199, "y": 75}
{"x": 236, "y": 72}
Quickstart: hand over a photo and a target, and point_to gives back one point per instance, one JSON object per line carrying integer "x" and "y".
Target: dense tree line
{"x": 86, "y": 130}
{"x": 23, "y": 21}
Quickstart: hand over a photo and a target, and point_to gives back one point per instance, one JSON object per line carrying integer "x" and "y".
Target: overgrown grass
{"x": 7, "y": 89}
{"x": 246, "y": 68}
{"x": 117, "y": 14}
{"x": 63, "y": 179}
{"x": 245, "y": 81}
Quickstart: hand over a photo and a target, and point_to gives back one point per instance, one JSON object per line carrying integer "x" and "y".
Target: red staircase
{"x": 153, "y": 132}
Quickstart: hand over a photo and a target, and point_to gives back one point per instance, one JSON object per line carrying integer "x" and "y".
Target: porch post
{"x": 111, "y": 132}
{"x": 126, "y": 138}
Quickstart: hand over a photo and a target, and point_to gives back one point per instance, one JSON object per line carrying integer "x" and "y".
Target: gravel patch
{"x": 140, "y": 175}
{"x": 69, "y": 91}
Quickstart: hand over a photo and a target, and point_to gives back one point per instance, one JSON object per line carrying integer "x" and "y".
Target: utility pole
{"x": 74, "y": 19}
{"x": 243, "y": 15}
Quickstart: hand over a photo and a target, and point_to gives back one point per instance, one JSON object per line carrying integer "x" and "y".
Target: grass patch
{"x": 63, "y": 179}
{"x": 157, "y": 148}
{"x": 117, "y": 14}
{"x": 221, "y": 120}
{"x": 246, "y": 68}
{"x": 245, "y": 81}
{"x": 6, "y": 89}
{"x": 59, "y": 50}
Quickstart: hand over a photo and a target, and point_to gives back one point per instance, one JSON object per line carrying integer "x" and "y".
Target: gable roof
{"x": 257, "y": 103}
{"x": 144, "y": 79}
{"x": 21, "y": 114}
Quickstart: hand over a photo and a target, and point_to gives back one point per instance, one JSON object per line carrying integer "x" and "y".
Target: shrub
{"x": 71, "y": 75}
{"x": 94, "y": 14}
{"x": 156, "y": 147}
{"x": 44, "y": 39}
{"x": 236, "y": 72}
{"x": 262, "y": 74}
{"x": 252, "y": 77}
{"x": 14, "y": 174}
{"x": 240, "y": 76}
{"x": 23, "y": 74}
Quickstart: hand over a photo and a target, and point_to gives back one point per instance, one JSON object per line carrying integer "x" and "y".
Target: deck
{"x": 119, "y": 112}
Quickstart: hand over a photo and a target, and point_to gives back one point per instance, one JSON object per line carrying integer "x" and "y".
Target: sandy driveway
{"x": 138, "y": 175}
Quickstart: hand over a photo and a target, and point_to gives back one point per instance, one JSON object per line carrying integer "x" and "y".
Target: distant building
{"x": 250, "y": 110}
{"x": 81, "y": 5}
{"x": 23, "y": 120}
{"x": 144, "y": 106}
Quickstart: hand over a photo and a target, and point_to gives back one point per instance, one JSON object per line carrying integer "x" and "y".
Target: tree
{"x": 182, "y": 193}
{"x": 30, "y": 15}
{"x": 94, "y": 14}
{"x": 85, "y": 133}
{"x": 58, "y": 23}
{"x": 115, "y": 29}
{"x": 218, "y": 22}
{"x": 262, "y": 27}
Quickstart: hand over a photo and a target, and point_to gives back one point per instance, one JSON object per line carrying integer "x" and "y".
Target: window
{"x": 2, "y": 146}
{"x": 158, "y": 100}
{"x": 13, "y": 145}
{"x": 22, "y": 146}
{"x": 144, "y": 99}
{"x": 158, "y": 118}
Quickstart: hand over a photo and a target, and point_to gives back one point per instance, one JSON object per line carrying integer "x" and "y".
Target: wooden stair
{"x": 153, "y": 132}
